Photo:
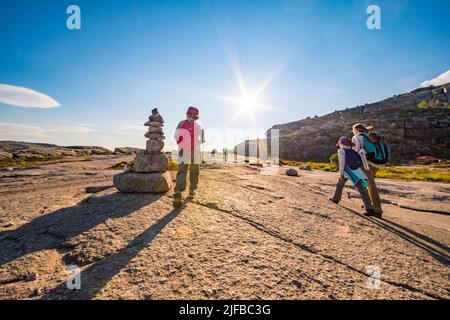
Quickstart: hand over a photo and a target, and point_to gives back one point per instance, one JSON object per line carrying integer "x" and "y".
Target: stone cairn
{"x": 149, "y": 173}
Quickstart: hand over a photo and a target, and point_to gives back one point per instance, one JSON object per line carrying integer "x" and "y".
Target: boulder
{"x": 143, "y": 182}
{"x": 292, "y": 172}
{"x": 306, "y": 168}
{"x": 155, "y": 130}
{"x": 155, "y": 124}
{"x": 156, "y": 118}
{"x": 154, "y": 146}
{"x": 151, "y": 163}
{"x": 154, "y": 136}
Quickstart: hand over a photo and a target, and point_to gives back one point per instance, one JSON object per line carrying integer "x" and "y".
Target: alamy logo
{"x": 73, "y": 22}
{"x": 374, "y": 20}
{"x": 74, "y": 279}
{"x": 374, "y": 280}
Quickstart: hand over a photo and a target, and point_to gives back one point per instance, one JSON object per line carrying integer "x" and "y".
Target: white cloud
{"x": 17, "y": 131}
{"x": 11, "y": 130}
{"x": 130, "y": 130}
{"x": 439, "y": 80}
{"x": 26, "y": 98}
{"x": 72, "y": 129}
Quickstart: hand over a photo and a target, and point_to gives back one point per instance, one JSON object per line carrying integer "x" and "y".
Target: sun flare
{"x": 249, "y": 105}
{"x": 245, "y": 104}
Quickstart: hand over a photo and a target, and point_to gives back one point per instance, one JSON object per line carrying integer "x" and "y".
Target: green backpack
{"x": 378, "y": 150}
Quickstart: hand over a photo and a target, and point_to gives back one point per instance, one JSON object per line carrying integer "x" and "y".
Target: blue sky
{"x": 313, "y": 56}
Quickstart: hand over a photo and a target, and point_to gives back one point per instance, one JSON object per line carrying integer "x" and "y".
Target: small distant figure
{"x": 350, "y": 164}
{"x": 189, "y": 136}
{"x": 225, "y": 155}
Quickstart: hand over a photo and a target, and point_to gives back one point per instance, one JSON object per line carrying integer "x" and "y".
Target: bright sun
{"x": 249, "y": 105}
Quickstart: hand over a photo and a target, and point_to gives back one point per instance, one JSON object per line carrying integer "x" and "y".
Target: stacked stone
{"x": 149, "y": 174}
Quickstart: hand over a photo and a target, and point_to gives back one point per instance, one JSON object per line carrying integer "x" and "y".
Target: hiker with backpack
{"x": 189, "y": 136}
{"x": 375, "y": 153}
{"x": 350, "y": 163}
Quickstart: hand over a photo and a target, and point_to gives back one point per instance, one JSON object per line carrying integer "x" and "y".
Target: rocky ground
{"x": 245, "y": 235}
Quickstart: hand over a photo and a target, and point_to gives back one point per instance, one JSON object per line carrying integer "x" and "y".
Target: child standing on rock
{"x": 189, "y": 136}
{"x": 350, "y": 163}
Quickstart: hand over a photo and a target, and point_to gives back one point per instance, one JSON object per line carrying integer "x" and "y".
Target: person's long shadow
{"x": 96, "y": 276}
{"x": 406, "y": 235}
{"x": 420, "y": 236}
{"x": 52, "y": 231}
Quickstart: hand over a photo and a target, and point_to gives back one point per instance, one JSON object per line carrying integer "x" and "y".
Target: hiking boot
{"x": 372, "y": 213}
{"x": 177, "y": 200}
{"x": 191, "y": 194}
{"x": 332, "y": 200}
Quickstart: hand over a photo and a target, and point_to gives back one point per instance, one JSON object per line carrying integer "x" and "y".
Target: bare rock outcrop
{"x": 16, "y": 151}
{"x": 127, "y": 150}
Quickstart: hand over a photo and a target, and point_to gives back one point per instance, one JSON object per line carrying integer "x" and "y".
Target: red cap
{"x": 192, "y": 111}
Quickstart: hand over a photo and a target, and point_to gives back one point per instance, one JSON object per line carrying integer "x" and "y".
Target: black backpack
{"x": 352, "y": 159}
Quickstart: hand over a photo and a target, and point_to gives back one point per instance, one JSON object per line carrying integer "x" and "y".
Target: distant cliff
{"x": 415, "y": 124}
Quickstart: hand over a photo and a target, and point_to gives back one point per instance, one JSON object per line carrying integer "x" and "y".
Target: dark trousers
{"x": 362, "y": 191}
{"x": 183, "y": 168}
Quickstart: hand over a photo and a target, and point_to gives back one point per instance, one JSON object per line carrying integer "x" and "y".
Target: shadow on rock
{"x": 423, "y": 242}
{"x": 53, "y": 230}
{"x": 95, "y": 277}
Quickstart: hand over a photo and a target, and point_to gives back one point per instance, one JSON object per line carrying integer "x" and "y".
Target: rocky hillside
{"x": 415, "y": 124}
